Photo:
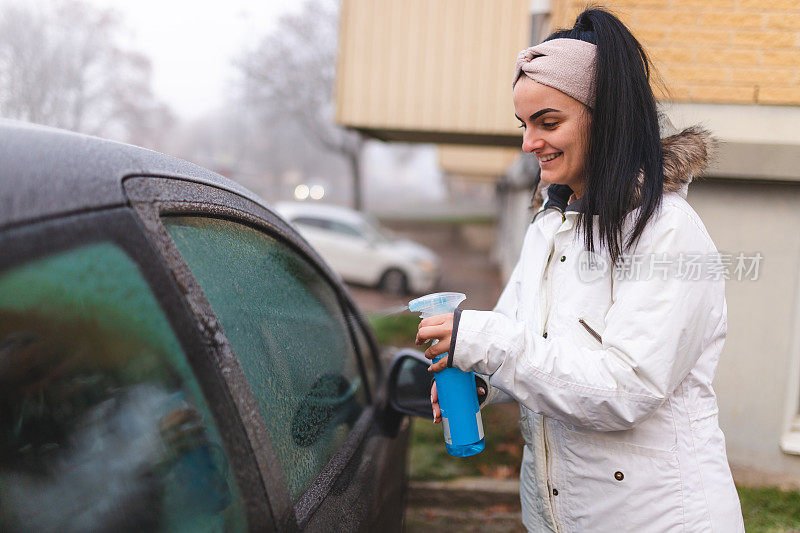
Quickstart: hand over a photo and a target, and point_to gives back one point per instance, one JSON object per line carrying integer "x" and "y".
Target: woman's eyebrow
{"x": 538, "y": 113}
{"x": 542, "y": 112}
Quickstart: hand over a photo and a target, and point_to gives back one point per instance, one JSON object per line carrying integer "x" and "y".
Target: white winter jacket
{"x": 617, "y": 409}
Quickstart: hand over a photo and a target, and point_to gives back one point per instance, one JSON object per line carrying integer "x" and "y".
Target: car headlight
{"x": 426, "y": 265}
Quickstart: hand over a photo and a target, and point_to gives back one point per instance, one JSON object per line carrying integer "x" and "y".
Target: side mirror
{"x": 331, "y": 396}
{"x": 410, "y": 384}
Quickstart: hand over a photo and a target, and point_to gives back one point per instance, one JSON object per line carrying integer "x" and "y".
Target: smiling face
{"x": 556, "y": 132}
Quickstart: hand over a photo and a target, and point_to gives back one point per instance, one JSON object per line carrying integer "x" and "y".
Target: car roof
{"x": 46, "y": 172}
{"x": 327, "y": 211}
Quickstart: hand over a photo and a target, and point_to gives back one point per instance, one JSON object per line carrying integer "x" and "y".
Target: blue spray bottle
{"x": 458, "y": 399}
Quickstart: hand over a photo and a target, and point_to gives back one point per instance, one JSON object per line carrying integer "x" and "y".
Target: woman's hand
{"x": 439, "y": 327}
{"x": 437, "y": 412}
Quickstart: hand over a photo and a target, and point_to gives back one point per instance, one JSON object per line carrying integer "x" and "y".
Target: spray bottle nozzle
{"x": 436, "y": 304}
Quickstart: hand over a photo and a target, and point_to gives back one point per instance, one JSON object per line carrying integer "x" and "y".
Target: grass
{"x": 765, "y": 510}
{"x": 395, "y": 330}
{"x": 501, "y": 458}
{"x": 770, "y": 510}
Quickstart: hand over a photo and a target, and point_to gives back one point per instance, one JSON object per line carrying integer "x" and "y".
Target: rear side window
{"x": 102, "y": 424}
{"x": 285, "y": 325}
{"x": 312, "y": 222}
{"x": 345, "y": 229}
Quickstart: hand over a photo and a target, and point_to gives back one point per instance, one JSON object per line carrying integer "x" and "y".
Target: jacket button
{"x": 563, "y": 258}
{"x": 555, "y": 492}
{"x": 544, "y": 335}
{"x": 619, "y": 476}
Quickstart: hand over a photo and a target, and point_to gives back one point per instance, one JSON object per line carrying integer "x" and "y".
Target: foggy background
{"x": 243, "y": 88}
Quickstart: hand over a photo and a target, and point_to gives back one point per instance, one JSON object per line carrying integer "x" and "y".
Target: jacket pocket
{"x": 610, "y": 485}
{"x": 720, "y": 492}
{"x": 525, "y": 424}
{"x": 591, "y": 331}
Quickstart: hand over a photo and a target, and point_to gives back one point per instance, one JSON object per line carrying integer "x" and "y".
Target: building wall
{"x": 721, "y": 51}
{"x": 756, "y": 382}
{"x": 439, "y": 67}
{"x": 480, "y": 162}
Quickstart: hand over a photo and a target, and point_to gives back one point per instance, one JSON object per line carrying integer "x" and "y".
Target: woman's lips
{"x": 545, "y": 163}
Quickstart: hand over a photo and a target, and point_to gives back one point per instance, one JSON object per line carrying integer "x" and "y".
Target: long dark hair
{"x": 623, "y": 163}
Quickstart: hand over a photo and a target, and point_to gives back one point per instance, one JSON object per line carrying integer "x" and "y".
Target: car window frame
{"x": 356, "y": 320}
{"x": 118, "y": 226}
{"x": 154, "y": 197}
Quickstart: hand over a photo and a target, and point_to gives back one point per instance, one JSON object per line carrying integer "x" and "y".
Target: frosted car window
{"x": 285, "y": 325}
{"x": 367, "y": 355}
{"x": 102, "y": 425}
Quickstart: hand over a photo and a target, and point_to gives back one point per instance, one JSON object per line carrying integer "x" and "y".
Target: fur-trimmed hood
{"x": 685, "y": 155}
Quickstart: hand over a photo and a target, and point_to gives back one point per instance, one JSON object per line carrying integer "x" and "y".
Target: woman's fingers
{"x": 426, "y": 333}
{"x": 436, "y": 320}
{"x": 437, "y": 412}
{"x": 439, "y": 322}
{"x": 438, "y": 366}
{"x": 438, "y": 328}
{"x": 443, "y": 346}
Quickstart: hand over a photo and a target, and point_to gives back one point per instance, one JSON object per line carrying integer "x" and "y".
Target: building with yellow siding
{"x": 440, "y": 71}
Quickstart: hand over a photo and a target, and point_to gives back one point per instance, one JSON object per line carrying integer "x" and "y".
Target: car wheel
{"x": 394, "y": 282}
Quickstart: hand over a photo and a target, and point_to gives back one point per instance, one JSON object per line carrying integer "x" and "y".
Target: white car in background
{"x": 361, "y": 251}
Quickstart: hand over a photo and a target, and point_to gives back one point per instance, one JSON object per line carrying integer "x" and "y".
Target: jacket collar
{"x": 685, "y": 155}
{"x": 558, "y": 197}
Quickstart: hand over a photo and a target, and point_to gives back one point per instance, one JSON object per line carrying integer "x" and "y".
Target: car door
{"x": 359, "y": 256}
{"x": 317, "y": 231}
{"x": 316, "y": 382}
{"x": 343, "y": 247}
{"x": 114, "y": 413}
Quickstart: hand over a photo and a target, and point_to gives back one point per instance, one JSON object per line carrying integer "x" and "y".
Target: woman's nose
{"x": 531, "y": 142}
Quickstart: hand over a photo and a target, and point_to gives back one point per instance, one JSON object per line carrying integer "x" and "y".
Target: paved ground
{"x": 495, "y": 518}
{"x": 466, "y": 504}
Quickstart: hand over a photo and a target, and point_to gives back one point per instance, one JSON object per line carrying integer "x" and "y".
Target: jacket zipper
{"x": 592, "y": 332}
{"x": 543, "y": 309}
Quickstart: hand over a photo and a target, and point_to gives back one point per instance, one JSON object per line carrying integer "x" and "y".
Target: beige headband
{"x": 567, "y": 65}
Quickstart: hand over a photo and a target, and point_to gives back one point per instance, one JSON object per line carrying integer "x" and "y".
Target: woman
{"x": 610, "y": 328}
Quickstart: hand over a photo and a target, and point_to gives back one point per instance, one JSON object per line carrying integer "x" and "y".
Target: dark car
{"x": 174, "y": 356}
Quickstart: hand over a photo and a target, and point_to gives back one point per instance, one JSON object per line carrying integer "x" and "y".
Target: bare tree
{"x": 290, "y": 73}
{"x": 61, "y": 65}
